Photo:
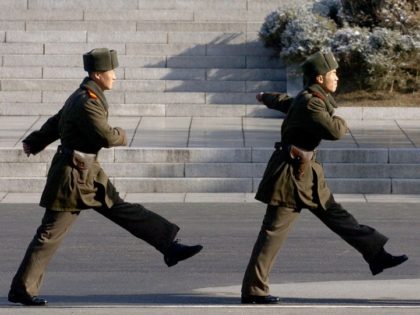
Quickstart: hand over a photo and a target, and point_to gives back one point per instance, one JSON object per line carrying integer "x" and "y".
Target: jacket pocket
{"x": 82, "y": 162}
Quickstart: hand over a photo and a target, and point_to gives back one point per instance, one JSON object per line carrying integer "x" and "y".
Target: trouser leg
{"x": 274, "y": 230}
{"x": 142, "y": 223}
{"x": 54, "y": 226}
{"x": 363, "y": 238}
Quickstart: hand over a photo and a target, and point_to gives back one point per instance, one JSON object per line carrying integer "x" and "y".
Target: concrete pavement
{"x": 100, "y": 269}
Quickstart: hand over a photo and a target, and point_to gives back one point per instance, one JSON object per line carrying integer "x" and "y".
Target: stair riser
{"x": 220, "y": 170}
{"x": 222, "y": 155}
{"x": 148, "y": 185}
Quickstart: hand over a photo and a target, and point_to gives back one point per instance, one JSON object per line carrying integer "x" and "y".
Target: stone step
{"x": 74, "y": 74}
{"x": 265, "y": 5}
{"x": 155, "y": 61}
{"x": 84, "y": 13}
{"x": 84, "y": 36}
{"x": 24, "y": 14}
{"x": 132, "y": 26}
{"x": 36, "y": 184}
{"x": 370, "y": 156}
{"x": 70, "y": 85}
{"x": 200, "y": 74}
{"x": 135, "y": 4}
{"x": 216, "y": 132}
{"x": 388, "y": 170}
{"x": 35, "y": 103}
{"x": 251, "y": 48}
{"x": 215, "y": 43}
{"x": 217, "y": 169}
{"x": 113, "y": 5}
{"x": 134, "y": 97}
{"x": 146, "y": 110}
{"x": 225, "y": 185}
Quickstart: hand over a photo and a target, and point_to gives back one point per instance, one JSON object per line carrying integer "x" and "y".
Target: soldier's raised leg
{"x": 152, "y": 228}
{"x": 365, "y": 239}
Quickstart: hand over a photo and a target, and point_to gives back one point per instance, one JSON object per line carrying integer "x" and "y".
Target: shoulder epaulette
{"x": 318, "y": 95}
{"x": 92, "y": 95}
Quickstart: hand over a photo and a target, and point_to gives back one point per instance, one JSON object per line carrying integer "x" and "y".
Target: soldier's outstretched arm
{"x": 38, "y": 140}
{"x": 276, "y": 101}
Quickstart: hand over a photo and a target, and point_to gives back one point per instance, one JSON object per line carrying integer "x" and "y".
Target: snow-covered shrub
{"x": 371, "y": 39}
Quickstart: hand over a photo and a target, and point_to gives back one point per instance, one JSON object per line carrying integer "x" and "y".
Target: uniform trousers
{"x": 142, "y": 223}
{"x": 278, "y": 222}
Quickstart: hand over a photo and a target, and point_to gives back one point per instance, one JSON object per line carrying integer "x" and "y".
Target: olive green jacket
{"x": 310, "y": 119}
{"x": 82, "y": 124}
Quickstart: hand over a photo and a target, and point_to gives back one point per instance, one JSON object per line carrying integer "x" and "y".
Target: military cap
{"x": 319, "y": 63}
{"x": 100, "y": 59}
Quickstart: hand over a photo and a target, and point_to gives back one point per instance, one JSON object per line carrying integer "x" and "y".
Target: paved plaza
{"x": 101, "y": 269}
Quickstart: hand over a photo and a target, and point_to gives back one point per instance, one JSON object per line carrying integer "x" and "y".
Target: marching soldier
{"x": 76, "y": 180}
{"x": 294, "y": 180}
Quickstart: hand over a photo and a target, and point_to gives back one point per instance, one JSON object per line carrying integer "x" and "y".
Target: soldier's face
{"x": 105, "y": 79}
{"x": 329, "y": 81}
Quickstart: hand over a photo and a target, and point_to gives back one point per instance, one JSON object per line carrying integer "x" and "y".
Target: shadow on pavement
{"x": 144, "y": 299}
{"x": 191, "y": 299}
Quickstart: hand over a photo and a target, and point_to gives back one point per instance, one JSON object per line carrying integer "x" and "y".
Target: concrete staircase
{"x": 177, "y": 58}
{"x": 182, "y": 62}
{"x": 357, "y": 171}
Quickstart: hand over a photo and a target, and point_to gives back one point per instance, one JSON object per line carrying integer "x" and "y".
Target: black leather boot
{"x": 178, "y": 252}
{"x": 26, "y": 299}
{"x": 256, "y": 299}
{"x": 384, "y": 260}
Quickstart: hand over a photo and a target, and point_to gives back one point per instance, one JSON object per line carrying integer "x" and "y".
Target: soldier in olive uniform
{"x": 76, "y": 180}
{"x": 294, "y": 180}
